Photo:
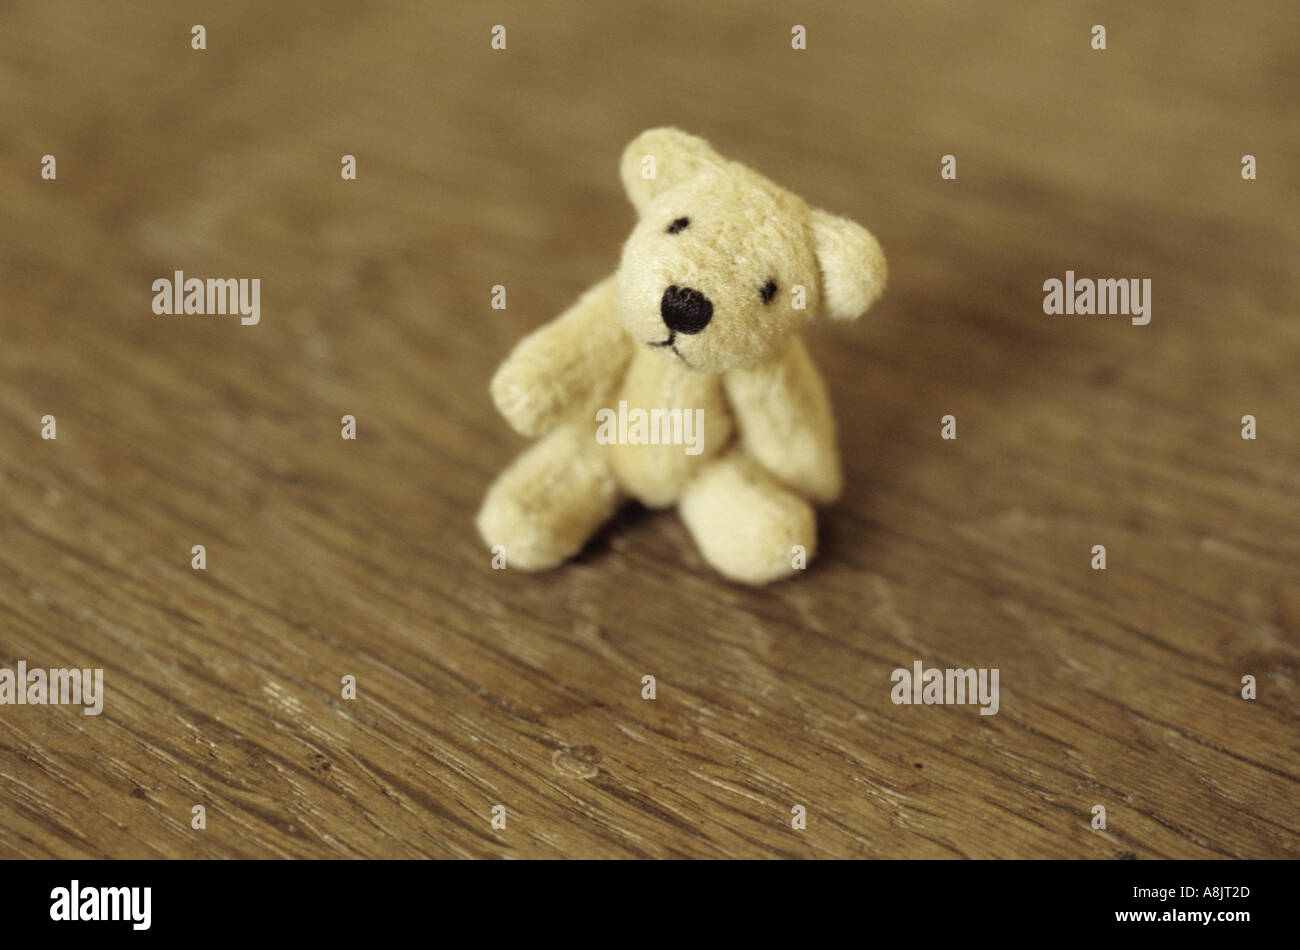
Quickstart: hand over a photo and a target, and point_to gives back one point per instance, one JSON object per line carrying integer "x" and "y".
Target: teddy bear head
{"x": 723, "y": 265}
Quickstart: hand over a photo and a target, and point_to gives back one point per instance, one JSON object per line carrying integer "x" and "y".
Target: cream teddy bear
{"x": 700, "y": 322}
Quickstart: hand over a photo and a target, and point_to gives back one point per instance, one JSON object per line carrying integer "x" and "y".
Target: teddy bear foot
{"x": 746, "y": 525}
{"x": 549, "y": 501}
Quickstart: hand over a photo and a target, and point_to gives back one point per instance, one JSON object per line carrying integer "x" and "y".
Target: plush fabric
{"x": 698, "y": 325}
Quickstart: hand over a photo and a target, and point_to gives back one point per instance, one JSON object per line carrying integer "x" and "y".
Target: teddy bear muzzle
{"x": 685, "y": 310}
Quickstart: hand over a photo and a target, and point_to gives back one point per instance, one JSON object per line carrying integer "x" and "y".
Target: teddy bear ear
{"x": 852, "y": 265}
{"x": 659, "y": 159}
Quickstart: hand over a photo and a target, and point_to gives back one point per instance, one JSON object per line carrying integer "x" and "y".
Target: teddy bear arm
{"x": 784, "y": 418}
{"x": 564, "y": 364}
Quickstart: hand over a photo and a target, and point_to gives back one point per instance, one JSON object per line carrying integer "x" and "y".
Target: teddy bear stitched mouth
{"x": 672, "y": 337}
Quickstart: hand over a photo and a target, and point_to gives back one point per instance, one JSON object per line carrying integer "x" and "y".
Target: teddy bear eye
{"x": 768, "y": 291}
{"x": 678, "y": 225}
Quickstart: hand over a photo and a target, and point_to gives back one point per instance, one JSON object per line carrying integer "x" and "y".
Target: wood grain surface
{"x": 477, "y": 687}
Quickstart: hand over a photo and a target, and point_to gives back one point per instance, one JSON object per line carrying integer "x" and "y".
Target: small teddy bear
{"x": 700, "y": 322}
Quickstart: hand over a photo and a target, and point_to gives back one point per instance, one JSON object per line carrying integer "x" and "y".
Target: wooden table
{"x": 328, "y": 558}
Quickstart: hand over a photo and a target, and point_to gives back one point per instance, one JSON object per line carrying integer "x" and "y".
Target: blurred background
{"x": 478, "y": 167}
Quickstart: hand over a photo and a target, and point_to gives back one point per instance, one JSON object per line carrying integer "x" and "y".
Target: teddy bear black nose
{"x": 685, "y": 310}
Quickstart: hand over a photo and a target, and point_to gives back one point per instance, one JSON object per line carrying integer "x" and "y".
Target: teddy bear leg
{"x": 747, "y": 525}
{"x": 550, "y": 500}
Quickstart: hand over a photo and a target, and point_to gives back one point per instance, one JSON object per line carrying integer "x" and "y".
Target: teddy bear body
{"x": 701, "y": 317}
{"x": 656, "y": 475}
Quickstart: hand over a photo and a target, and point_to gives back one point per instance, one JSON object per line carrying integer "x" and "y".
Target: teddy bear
{"x": 701, "y": 318}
